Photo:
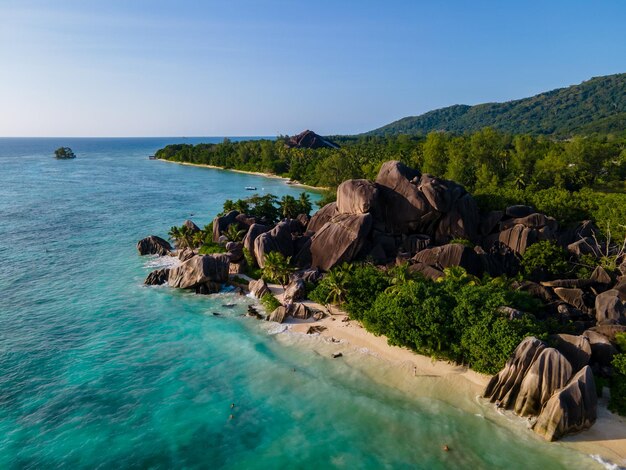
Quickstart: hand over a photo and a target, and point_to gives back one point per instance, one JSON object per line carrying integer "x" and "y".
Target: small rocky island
{"x": 431, "y": 225}
{"x": 64, "y": 153}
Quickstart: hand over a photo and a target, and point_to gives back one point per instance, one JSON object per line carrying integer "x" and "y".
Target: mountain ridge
{"x": 595, "y": 105}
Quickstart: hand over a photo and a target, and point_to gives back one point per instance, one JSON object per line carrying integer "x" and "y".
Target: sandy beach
{"x": 288, "y": 181}
{"x": 417, "y": 374}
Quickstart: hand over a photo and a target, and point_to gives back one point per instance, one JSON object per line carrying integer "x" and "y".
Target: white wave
{"x": 605, "y": 463}
{"x": 155, "y": 262}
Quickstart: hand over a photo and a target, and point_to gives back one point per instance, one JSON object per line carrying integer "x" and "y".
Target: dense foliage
{"x": 597, "y": 105}
{"x": 459, "y": 318}
{"x": 618, "y": 381}
{"x": 64, "y": 153}
{"x": 572, "y": 180}
{"x": 543, "y": 260}
{"x": 269, "y": 208}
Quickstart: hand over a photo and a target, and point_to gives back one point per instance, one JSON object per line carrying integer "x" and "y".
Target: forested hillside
{"x": 597, "y": 105}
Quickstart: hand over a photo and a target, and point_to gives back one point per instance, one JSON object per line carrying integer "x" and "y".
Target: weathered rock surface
{"x": 258, "y": 288}
{"x": 572, "y": 296}
{"x": 154, "y": 245}
{"x": 157, "y": 277}
{"x": 429, "y": 272}
{"x": 549, "y": 372}
{"x": 504, "y": 387}
{"x": 576, "y": 349}
{"x": 461, "y": 221}
{"x": 295, "y": 291}
{"x": 518, "y": 211}
{"x": 357, "y": 197}
{"x": 185, "y": 254}
{"x": 454, "y": 254}
{"x": 403, "y": 206}
{"x": 322, "y": 216}
{"x": 571, "y": 409}
{"x": 299, "y": 311}
{"x": 609, "y": 307}
{"x": 221, "y": 224}
{"x": 602, "y": 350}
{"x": 278, "y": 315}
{"x": 234, "y": 251}
{"x": 199, "y": 270}
{"x": 276, "y": 240}
{"x": 253, "y": 232}
{"x": 339, "y": 240}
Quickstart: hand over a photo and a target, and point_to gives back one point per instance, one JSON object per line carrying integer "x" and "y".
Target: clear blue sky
{"x": 229, "y": 67}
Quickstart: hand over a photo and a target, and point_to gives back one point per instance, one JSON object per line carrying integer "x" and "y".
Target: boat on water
{"x": 152, "y": 157}
{"x": 251, "y": 188}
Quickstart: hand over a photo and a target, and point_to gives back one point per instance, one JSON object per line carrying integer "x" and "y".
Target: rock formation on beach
{"x": 431, "y": 224}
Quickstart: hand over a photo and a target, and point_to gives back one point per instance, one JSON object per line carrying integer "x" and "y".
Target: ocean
{"x": 99, "y": 371}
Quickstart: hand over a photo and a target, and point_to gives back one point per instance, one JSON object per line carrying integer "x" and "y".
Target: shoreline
{"x": 287, "y": 181}
{"x": 456, "y": 384}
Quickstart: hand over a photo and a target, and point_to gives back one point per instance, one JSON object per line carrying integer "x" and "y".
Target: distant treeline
{"x": 498, "y": 167}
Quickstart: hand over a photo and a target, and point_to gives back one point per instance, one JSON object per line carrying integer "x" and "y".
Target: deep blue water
{"x": 98, "y": 371}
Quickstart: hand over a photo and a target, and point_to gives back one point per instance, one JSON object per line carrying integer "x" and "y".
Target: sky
{"x": 264, "y": 68}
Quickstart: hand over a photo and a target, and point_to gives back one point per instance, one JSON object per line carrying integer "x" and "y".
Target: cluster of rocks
{"x": 553, "y": 386}
{"x": 405, "y": 216}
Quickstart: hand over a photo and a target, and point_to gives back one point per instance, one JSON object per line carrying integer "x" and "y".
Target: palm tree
{"x": 277, "y": 268}
{"x": 304, "y": 201}
{"x": 182, "y": 236}
{"x": 399, "y": 276}
{"x": 289, "y": 206}
{"x": 233, "y": 234}
{"x": 335, "y": 281}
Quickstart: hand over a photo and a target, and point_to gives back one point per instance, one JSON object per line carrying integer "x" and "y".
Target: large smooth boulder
{"x": 234, "y": 251}
{"x": 357, "y": 197}
{"x": 489, "y": 222}
{"x": 572, "y": 296}
{"x": 518, "y": 238}
{"x": 221, "y": 224}
{"x": 518, "y": 211}
{"x": 602, "y": 350}
{"x": 253, "y": 232}
{"x": 309, "y": 140}
{"x": 504, "y": 387}
{"x": 454, "y": 254}
{"x": 157, "y": 277}
{"x": 576, "y": 349}
{"x": 460, "y": 222}
{"x": 278, "y": 315}
{"x": 322, "y": 216}
{"x": 403, "y": 207}
{"x": 535, "y": 220}
{"x": 154, "y": 245}
{"x": 296, "y": 290}
{"x": 258, "y": 288}
{"x": 199, "y": 270}
{"x": 339, "y": 240}
{"x": 298, "y": 311}
{"x": 549, "y": 372}
{"x": 609, "y": 307}
{"x": 571, "y": 409}
{"x": 276, "y": 240}
{"x": 441, "y": 194}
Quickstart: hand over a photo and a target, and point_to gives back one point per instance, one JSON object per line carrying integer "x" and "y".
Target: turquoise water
{"x": 99, "y": 371}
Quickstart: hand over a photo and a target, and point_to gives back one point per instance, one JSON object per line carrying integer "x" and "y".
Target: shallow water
{"x": 98, "y": 370}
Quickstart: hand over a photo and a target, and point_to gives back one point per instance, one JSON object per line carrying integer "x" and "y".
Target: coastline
{"x": 288, "y": 181}
{"x": 403, "y": 369}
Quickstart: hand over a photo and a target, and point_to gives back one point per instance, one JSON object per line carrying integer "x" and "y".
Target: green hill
{"x": 597, "y": 105}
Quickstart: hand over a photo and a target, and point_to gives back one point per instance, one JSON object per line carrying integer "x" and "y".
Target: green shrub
{"x": 544, "y": 259}
{"x": 269, "y": 302}
{"x": 618, "y": 385}
{"x": 209, "y": 248}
